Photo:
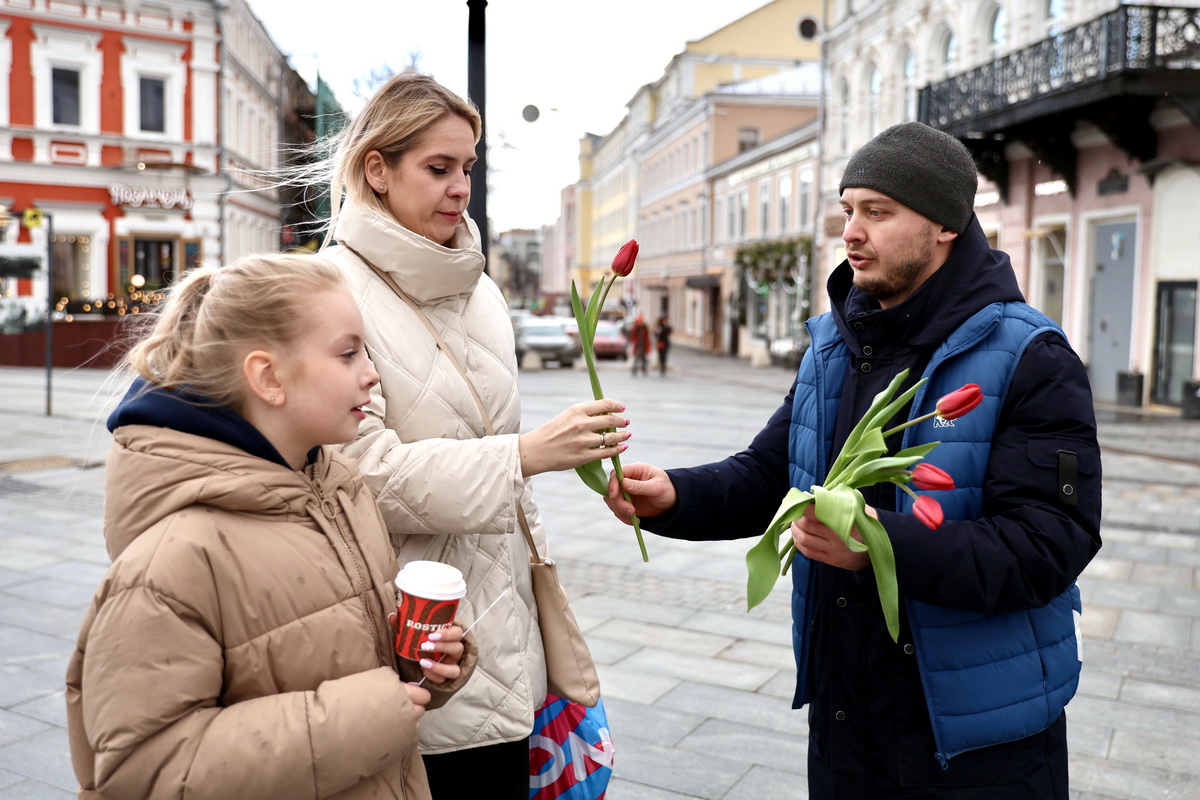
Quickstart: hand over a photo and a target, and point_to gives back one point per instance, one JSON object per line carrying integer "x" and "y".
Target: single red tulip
{"x": 930, "y": 478}
{"x": 929, "y": 511}
{"x": 960, "y": 401}
{"x": 622, "y": 265}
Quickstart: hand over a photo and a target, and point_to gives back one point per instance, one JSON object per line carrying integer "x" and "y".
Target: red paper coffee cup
{"x": 427, "y": 595}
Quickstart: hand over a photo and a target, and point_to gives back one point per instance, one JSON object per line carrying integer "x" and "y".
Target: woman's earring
{"x": 382, "y": 188}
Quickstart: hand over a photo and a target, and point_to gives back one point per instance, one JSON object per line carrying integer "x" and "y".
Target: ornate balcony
{"x": 1111, "y": 71}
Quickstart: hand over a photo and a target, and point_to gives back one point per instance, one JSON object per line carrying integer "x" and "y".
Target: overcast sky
{"x": 580, "y": 63}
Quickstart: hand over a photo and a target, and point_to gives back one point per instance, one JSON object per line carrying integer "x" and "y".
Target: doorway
{"x": 154, "y": 261}
{"x": 1174, "y": 341}
{"x": 1114, "y": 246}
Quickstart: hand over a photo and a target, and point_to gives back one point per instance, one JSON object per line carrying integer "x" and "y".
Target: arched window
{"x": 997, "y": 30}
{"x": 949, "y": 53}
{"x": 875, "y": 85}
{"x": 844, "y": 122}
{"x": 910, "y": 84}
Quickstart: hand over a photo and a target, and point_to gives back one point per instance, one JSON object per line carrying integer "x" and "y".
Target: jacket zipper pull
{"x": 326, "y": 504}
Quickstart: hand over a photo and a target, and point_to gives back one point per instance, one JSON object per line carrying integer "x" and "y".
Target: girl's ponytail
{"x": 164, "y": 356}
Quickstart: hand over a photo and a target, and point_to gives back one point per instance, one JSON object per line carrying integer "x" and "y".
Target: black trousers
{"x": 494, "y": 771}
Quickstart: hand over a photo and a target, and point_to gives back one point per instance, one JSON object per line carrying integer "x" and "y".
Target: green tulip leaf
{"x": 883, "y": 564}
{"x": 762, "y": 567}
{"x": 790, "y": 509}
{"x": 879, "y": 469}
{"x": 837, "y": 508}
{"x": 870, "y": 443}
{"x": 892, "y": 408}
{"x": 593, "y": 475}
{"x": 918, "y": 451}
{"x": 762, "y": 560}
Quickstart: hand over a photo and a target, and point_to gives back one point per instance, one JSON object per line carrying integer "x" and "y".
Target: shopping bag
{"x": 570, "y": 751}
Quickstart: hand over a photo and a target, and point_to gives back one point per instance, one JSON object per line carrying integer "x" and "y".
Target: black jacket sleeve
{"x": 1035, "y": 537}
{"x": 734, "y": 498}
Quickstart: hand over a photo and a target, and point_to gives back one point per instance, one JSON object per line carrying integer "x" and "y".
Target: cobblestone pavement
{"x": 697, "y": 690}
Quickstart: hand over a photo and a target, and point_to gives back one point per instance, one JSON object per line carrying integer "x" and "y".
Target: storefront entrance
{"x": 1174, "y": 341}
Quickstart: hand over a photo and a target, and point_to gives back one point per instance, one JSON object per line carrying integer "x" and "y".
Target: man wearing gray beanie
{"x": 968, "y": 703}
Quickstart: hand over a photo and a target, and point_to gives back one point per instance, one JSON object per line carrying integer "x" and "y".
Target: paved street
{"x": 697, "y": 691}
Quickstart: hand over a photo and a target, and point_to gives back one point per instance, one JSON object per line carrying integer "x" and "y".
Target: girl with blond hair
{"x": 239, "y": 646}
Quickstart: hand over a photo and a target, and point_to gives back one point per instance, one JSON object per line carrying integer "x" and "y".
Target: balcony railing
{"x": 1129, "y": 41}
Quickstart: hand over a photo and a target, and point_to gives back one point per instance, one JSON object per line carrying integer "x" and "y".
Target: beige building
{"x": 645, "y": 179}
{"x": 720, "y": 175}
{"x": 1084, "y": 120}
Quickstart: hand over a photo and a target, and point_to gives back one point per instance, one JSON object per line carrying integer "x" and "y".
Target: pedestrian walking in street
{"x": 662, "y": 342}
{"x": 239, "y": 646}
{"x": 969, "y": 702}
{"x": 438, "y": 331}
{"x": 639, "y": 343}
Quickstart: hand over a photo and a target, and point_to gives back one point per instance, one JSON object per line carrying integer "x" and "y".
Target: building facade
{"x": 1084, "y": 120}
{"x": 142, "y": 135}
{"x": 649, "y": 177}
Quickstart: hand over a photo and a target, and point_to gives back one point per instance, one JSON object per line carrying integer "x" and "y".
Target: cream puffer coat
{"x": 238, "y": 646}
{"x": 448, "y": 492}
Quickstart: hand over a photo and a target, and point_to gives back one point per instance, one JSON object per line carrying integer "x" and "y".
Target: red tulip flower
{"x": 622, "y": 265}
{"x": 930, "y": 478}
{"x": 929, "y": 511}
{"x": 960, "y": 401}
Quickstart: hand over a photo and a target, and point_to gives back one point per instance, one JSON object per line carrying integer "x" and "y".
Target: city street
{"x": 697, "y": 690}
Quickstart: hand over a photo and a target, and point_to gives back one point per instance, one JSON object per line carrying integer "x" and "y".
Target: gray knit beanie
{"x": 927, "y": 170}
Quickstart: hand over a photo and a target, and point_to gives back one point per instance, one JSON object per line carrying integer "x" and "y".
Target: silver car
{"x": 547, "y": 338}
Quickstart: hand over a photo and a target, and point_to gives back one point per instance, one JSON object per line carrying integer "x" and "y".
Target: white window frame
{"x": 764, "y": 207}
{"x": 5, "y": 69}
{"x": 154, "y": 59}
{"x": 62, "y": 48}
{"x": 784, "y": 193}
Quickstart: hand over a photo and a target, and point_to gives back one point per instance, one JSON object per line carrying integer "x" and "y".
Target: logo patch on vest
{"x": 938, "y": 422}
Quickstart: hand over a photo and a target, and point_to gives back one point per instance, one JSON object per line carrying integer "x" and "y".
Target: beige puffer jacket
{"x": 447, "y": 494}
{"x": 238, "y": 647}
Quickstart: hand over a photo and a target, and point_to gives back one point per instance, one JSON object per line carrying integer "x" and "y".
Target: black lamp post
{"x": 477, "y": 89}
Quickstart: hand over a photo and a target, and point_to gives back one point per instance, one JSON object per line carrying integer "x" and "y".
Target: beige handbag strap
{"x": 441, "y": 345}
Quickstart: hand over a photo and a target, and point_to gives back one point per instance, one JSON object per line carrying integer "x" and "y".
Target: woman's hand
{"x": 819, "y": 542}
{"x": 443, "y": 650}
{"x": 574, "y": 438}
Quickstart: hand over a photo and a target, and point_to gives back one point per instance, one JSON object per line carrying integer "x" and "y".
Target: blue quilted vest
{"x": 987, "y": 678}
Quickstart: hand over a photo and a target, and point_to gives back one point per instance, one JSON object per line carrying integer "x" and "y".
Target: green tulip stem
{"x": 789, "y": 552}
{"x": 587, "y": 331}
{"x": 910, "y": 423}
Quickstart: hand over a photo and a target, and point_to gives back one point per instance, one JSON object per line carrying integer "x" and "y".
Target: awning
{"x": 704, "y": 282}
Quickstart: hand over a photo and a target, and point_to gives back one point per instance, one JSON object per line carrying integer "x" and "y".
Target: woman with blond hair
{"x": 448, "y": 489}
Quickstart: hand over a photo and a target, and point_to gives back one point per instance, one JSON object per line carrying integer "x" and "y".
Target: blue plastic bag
{"x": 570, "y": 752}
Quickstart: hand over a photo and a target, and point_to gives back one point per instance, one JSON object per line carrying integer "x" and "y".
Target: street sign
{"x": 33, "y": 218}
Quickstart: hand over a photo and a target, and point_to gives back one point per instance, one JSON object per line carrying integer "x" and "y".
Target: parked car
{"x": 548, "y": 339}
{"x": 609, "y": 341}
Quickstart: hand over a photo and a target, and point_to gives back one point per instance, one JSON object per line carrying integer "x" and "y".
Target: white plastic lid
{"x": 431, "y": 579}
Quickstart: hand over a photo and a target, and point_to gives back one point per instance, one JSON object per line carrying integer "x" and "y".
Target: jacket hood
{"x": 189, "y": 412}
{"x": 169, "y": 454}
{"x": 426, "y": 271}
{"x": 974, "y": 276}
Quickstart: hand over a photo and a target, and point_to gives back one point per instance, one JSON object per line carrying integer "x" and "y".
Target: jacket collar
{"x": 425, "y": 270}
